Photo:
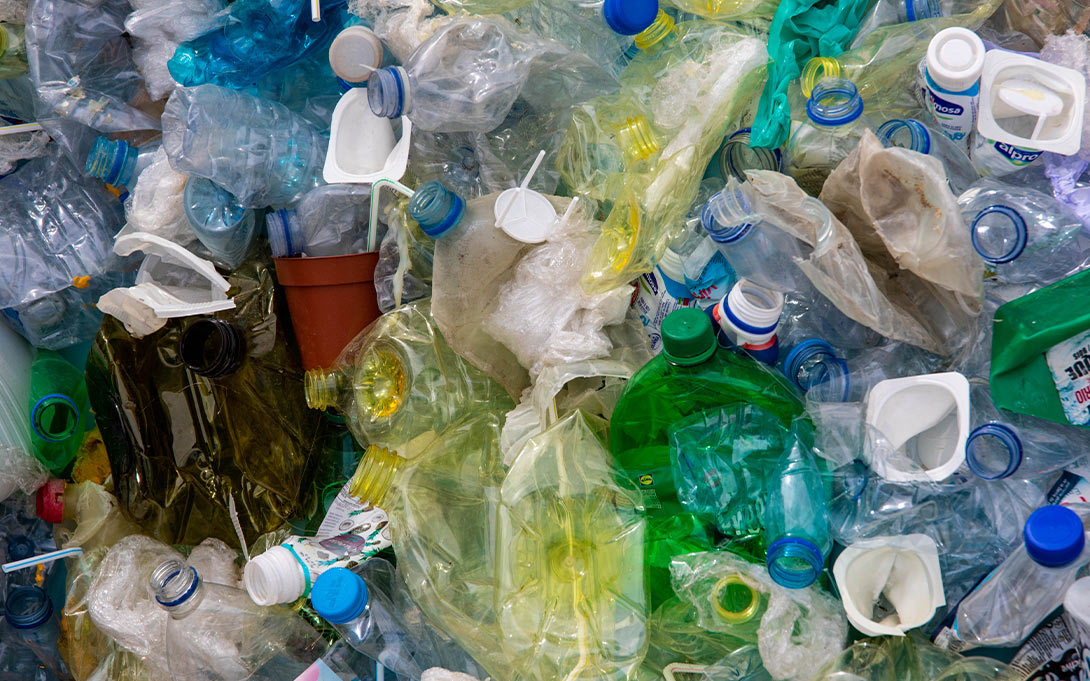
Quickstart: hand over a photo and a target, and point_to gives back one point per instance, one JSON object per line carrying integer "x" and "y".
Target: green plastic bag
{"x": 1041, "y": 353}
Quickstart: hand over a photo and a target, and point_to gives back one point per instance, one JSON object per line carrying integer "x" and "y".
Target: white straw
{"x": 522, "y": 187}
{"x": 315, "y": 10}
{"x": 39, "y": 560}
{"x": 22, "y": 127}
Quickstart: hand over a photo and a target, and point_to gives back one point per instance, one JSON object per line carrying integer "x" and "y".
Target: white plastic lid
{"x": 274, "y": 577}
{"x": 955, "y": 58}
{"x": 525, "y": 215}
{"x": 904, "y": 569}
{"x": 1031, "y": 104}
{"x": 925, "y": 423}
{"x": 355, "y": 53}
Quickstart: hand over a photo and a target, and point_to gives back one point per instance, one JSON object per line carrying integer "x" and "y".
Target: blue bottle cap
{"x": 629, "y": 17}
{"x": 339, "y": 595}
{"x": 1054, "y": 536}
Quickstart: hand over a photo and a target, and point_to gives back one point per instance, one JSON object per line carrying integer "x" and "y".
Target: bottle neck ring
{"x": 999, "y": 234}
{"x": 212, "y": 348}
{"x": 834, "y": 102}
{"x": 388, "y": 92}
{"x": 988, "y": 440}
{"x": 892, "y": 134}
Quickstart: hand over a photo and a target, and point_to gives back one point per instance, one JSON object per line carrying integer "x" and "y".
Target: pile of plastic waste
{"x": 544, "y": 340}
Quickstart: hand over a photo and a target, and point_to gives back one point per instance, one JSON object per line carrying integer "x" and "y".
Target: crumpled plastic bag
{"x": 401, "y": 24}
{"x": 800, "y": 628}
{"x": 899, "y": 208}
{"x": 542, "y": 314}
{"x": 404, "y": 270}
{"x": 902, "y": 307}
{"x": 156, "y": 205}
{"x": 181, "y": 445}
{"x": 157, "y": 28}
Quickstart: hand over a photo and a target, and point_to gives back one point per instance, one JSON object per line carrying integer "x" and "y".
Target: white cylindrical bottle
{"x": 950, "y": 81}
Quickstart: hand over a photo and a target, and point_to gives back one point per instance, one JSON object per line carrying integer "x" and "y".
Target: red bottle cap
{"x": 49, "y": 502}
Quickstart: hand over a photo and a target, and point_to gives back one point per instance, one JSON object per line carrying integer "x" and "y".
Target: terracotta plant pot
{"x": 331, "y": 299}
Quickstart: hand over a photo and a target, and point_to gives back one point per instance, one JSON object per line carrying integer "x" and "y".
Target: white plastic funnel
{"x": 925, "y": 420}
{"x": 362, "y": 148}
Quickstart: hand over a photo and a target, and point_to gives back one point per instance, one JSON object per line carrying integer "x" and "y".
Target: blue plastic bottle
{"x": 260, "y": 37}
{"x": 117, "y": 162}
{"x": 797, "y": 521}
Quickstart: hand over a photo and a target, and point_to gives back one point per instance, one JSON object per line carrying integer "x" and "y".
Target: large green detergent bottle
{"x": 692, "y": 374}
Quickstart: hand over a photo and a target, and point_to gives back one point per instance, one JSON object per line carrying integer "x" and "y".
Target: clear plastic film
{"x": 796, "y": 629}
{"x": 908, "y": 659}
{"x": 404, "y": 270}
{"x": 569, "y": 589}
{"x": 399, "y": 384}
{"x": 902, "y": 308}
{"x": 158, "y": 27}
{"x": 694, "y": 88}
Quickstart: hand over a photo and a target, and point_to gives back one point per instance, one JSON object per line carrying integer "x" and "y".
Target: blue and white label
{"x": 996, "y": 159}
{"x": 1069, "y": 362}
{"x": 954, "y": 113}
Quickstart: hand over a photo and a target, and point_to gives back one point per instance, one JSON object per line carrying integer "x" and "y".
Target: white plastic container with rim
{"x": 1027, "y": 106}
{"x": 924, "y": 421}
{"x": 950, "y": 80}
{"x": 890, "y": 584}
{"x": 362, "y": 146}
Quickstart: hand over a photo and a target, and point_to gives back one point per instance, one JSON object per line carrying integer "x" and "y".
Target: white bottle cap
{"x": 955, "y": 58}
{"x": 355, "y": 53}
{"x": 274, "y": 577}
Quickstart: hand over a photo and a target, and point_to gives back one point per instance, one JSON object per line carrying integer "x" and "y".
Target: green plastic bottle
{"x": 692, "y": 374}
{"x": 59, "y": 410}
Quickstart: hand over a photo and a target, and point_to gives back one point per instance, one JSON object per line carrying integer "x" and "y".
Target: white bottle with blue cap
{"x": 1007, "y": 606}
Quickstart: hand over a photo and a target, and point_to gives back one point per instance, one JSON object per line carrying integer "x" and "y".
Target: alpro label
{"x": 1000, "y": 158}
{"x": 1069, "y": 362}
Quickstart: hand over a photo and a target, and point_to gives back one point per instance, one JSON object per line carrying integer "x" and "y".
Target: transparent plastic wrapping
{"x": 181, "y": 444}
{"x": 399, "y": 382}
{"x": 468, "y": 74}
{"x": 542, "y": 313}
{"x": 258, "y": 150}
{"x": 158, "y": 27}
{"x": 156, "y": 205}
{"x": 909, "y": 658}
{"x": 727, "y": 10}
{"x": 334, "y": 219}
{"x": 675, "y": 635}
{"x": 899, "y": 199}
{"x": 695, "y": 89}
{"x": 570, "y": 593}
{"x": 1040, "y": 20}
{"x": 902, "y": 307}
{"x": 81, "y": 66}
{"x": 404, "y": 270}
{"x": 798, "y": 629}
{"x": 401, "y": 24}
{"x": 46, "y": 245}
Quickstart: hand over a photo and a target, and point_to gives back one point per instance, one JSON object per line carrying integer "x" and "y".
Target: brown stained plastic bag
{"x": 898, "y": 307}
{"x": 181, "y": 444}
{"x": 899, "y": 208}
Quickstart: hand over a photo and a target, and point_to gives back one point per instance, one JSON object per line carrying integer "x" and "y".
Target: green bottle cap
{"x": 687, "y": 337}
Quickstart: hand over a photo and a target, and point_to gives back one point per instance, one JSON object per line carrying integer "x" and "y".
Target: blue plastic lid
{"x": 339, "y": 595}
{"x": 20, "y": 547}
{"x": 1054, "y": 536}
{"x": 629, "y": 17}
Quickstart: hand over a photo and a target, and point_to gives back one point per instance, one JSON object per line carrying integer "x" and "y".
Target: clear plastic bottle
{"x": 67, "y": 317}
{"x": 736, "y": 156}
{"x": 217, "y": 632}
{"x": 756, "y": 249}
{"x": 1005, "y": 609}
{"x": 221, "y": 223}
{"x": 329, "y": 220}
{"x": 59, "y": 410}
{"x": 259, "y": 37}
{"x": 118, "y": 163}
{"x": 468, "y": 74}
{"x": 1004, "y": 444}
{"x": 31, "y": 622}
{"x": 607, "y": 31}
{"x": 909, "y": 133}
{"x": 258, "y": 150}
{"x": 400, "y": 380}
{"x": 797, "y": 521}
{"x": 834, "y": 125}
{"x": 1024, "y": 235}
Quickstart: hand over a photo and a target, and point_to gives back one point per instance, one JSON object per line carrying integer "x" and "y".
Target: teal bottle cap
{"x": 687, "y": 337}
{"x": 339, "y": 595}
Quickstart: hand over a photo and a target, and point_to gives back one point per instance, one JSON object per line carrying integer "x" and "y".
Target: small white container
{"x": 951, "y": 80}
{"x": 924, "y": 421}
{"x": 362, "y": 148}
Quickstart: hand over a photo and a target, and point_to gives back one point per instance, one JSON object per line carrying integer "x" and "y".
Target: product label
{"x": 1069, "y": 489}
{"x": 999, "y": 158}
{"x": 653, "y": 303}
{"x": 1069, "y": 362}
{"x": 347, "y": 513}
{"x": 1080, "y": 632}
{"x": 1053, "y": 653}
{"x": 370, "y": 533}
{"x": 954, "y": 113}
